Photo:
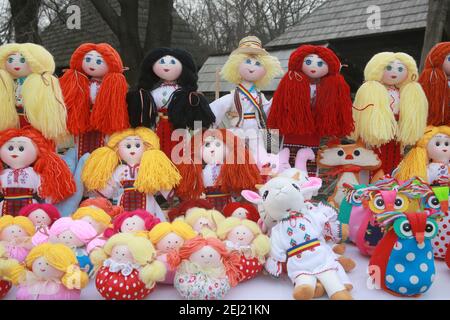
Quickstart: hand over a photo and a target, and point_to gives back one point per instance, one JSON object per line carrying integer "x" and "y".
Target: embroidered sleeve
{"x": 277, "y": 250}
{"x": 220, "y": 107}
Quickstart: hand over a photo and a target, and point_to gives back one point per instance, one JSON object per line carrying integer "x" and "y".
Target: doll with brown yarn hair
{"x": 435, "y": 81}
{"x": 29, "y": 168}
{"x": 216, "y": 169}
{"x": 312, "y": 101}
{"x": 94, "y": 90}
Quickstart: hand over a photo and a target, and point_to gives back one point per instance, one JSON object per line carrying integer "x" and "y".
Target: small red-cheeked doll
{"x": 241, "y": 211}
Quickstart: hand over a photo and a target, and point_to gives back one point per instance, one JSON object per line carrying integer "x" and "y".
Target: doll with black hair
{"x": 166, "y": 96}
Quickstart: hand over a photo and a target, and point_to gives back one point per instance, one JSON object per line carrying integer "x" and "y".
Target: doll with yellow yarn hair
{"x": 204, "y": 221}
{"x": 6, "y": 265}
{"x": 250, "y": 68}
{"x": 15, "y": 236}
{"x": 246, "y": 238}
{"x": 30, "y": 93}
{"x": 130, "y": 169}
{"x": 50, "y": 272}
{"x": 127, "y": 268}
{"x": 430, "y": 158}
{"x": 166, "y": 237}
{"x": 390, "y": 108}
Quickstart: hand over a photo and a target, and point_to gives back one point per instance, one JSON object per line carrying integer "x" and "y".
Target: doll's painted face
{"x": 40, "y": 218}
{"x": 17, "y": 66}
{"x": 69, "y": 239}
{"x": 240, "y": 213}
{"x": 99, "y": 227}
{"x": 19, "y": 153}
{"x": 204, "y": 223}
{"x": 214, "y": 151}
{"x": 133, "y": 224}
{"x": 206, "y": 257}
{"x": 121, "y": 254}
{"x": 315, "y": 67}
{"x": 446, "y": 65}
{"x": 44, "y": 270}
{"x": 171, "y": 241}
{"x": 252, "y": 70}
{"x": 241, "y": 235}
{"x": 94, "y": 65}
{"x": 395, "y": 73}
{"x": 439, "y": 149}
{"x": 131, "y": 150}
{"x": 168, "y": 68}
{"x": 13, "y": 232}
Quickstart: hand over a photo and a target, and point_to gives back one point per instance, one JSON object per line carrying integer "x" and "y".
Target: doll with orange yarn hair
{"x": 312, "y": 101}
{"x": 94, "y": 90}
{"x": 30, "y": 168}
{"x": 219, "y": 166}
{"x": 205, "y": 269}
{"x": 435, "y": 81}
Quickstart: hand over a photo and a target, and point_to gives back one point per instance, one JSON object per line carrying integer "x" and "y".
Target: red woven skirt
{"x": 217, "y": 198}
{"x": 132, "y": 199}
{"x": 390, "y": 156}
{"x": 89, "y": 141}
{"x": 15, "y": 199}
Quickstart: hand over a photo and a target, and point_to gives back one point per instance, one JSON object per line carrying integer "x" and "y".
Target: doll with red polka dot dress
{"x": 6, "y": 264}
{"x": 245, "y": 237}
{"x": 127, "y": 268}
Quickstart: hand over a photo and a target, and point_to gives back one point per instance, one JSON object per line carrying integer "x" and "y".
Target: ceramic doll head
{"x": 132, "y": 222}
{"x": 167, "y": 236}
{"x": 103, "y": 204}
{"x": 200, "y": 219}
{"x": 446, "y": 65}
{"x": 251, "y": 63}
{"x": 395, "y": 73}
{"x": 214, "y": 151}
{"x": 94, "y": 65}
{"x": 42, "y": 215}
{"x": 168, "y": 68}
{"x": 43, "y": 101}
{"x": 56, "y": 180}
{"x": 103, "y": 162}
{"x": 96, "y": 217}
{"x": 56, "y": 262}
{"x": 315, "y": 67}
{"x": 438, "y": 149}
{"x": 181, "y": 209}
{"x": 241, "y": 211}
{"x": 131, "y": 150}
{"x": 15, "y": 228}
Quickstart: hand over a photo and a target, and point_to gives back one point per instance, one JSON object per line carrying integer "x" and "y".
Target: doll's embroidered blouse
{"x": 18, "y": 91}
{"x": 163, "y": 94}
{"x": 437, "y": 171}
{"x": 20, "y": 178}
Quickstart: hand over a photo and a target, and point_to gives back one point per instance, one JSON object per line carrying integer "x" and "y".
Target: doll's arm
{"x": 111, "y": 190}
{"x": 266, "y": 104}
{"x": 277, "y": 253}
{"x": 220, "y": 107}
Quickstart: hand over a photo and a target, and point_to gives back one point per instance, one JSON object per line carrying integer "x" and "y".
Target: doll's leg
{"x": 333, "y": 285}
{"x": 304, "y": 287}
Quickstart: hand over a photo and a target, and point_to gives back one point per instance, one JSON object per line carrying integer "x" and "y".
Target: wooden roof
{"x": 62, "y": 42}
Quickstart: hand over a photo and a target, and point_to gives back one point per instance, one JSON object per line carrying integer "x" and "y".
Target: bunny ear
{"x": 251, "y": 196}
{"x": 311, "y": 185}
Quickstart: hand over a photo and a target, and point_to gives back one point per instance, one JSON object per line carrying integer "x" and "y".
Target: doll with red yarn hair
{"x": 94, "y": 90}
{"x": 103, "y": 204}
{"x": 241, "y": 211}
{"x": 312, "y": 101}
{"x": 219, "y": 166}
{"x": 435, "y": 81}
{"x": 30, "y": 168}
{"x": 43, "y": 215}
{"x": 139, "y": 221}
{"x": 205, "y": 269}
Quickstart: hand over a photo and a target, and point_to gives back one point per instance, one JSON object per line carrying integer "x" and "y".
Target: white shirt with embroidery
{"x": 20, "y": 178}
{"x": 94, "y": 88}
{"x": 210, "y": 174}
{"x": 394, "y": 99}
{"x": 163, "y": 93}
{"x": 436, "y": 171}
{"x": 114, "y": 190}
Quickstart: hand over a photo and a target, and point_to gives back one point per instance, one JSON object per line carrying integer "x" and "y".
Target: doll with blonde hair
{"x": 103, "y": 204}
{"x": 390, "y": 108}
{"x": 131, "y": 169}
{"x": 250, "y": 68}
{"x": 6, "y": 265}
{"x": 430, "y": 158}
{"x": 30, "y": 93}
{"x": 15, "y": 235}
{"x": 204, "y": 221}
{"x": 127, "y": 268}
{"x": 168, "y": 236}
{"x": 207, "y": 260}
{"x": 245, "y": 237}
{"x": 50, "y": 272}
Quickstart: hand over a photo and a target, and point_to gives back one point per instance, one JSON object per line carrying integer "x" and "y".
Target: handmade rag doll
{"x": 245, "y": 237}
{"x": 312, "y": 101}
{"x": 167, "y": 91}
{"x": 204, "y": 221}
{"x": 240, "y": 210}
{"x": 31, "y": 168}
{"x": 15, "y": 235}
{"x": 430, "y": 158}
{"x": 127, "y": 268}
{"x": 103, "y": 204}
{"x": 75, "y": 234}
{"x": 130, "y": 169}
{"x": 138, "y": 221}
{"x": 42, "y": 215}
{"x": 99, "y": 220}
{"x": 216, "y": 165}
{"x": 250, "y": 68}
{"x": 6, "y": 265}
{"x": 182, "y": 208}
{"x": 205, "y": 269}
{"x": 30, "y": 93}
{"x": 95, "y": 90}
{"x": 50, "y": 272}
{"x": 166, "y": 237}
{"x": 297, "y": 238}
{"x": 435, "y": 81}
{"x": 390, "y": 108}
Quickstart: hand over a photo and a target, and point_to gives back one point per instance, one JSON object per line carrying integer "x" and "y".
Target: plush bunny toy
{"x": 297, "y": 238}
